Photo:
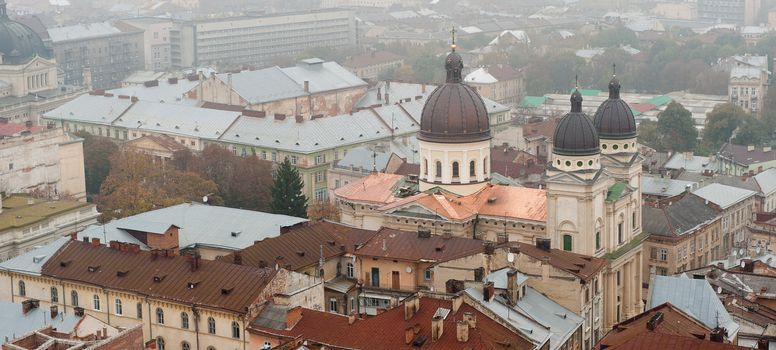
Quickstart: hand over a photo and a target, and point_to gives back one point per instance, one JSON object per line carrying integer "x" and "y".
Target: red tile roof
{"x": 544, "y": 128}
{"x": 11, "y": 129}
{"x": 375, "y": 188}
{"x": 504, "y": 72}
{"x": 657, "y": 341}
{"x": 408, "y": 169}
{"x": 218, "y": 285}
{"x": 579, "y": 265}
{"x": 301, "y": 246}
{"x": 386, "y": 331}
{"x": 404, "y": 245}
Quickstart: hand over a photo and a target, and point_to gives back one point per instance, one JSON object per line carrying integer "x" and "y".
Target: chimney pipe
{"x": 512, "y": 287}
{"x": 488, "y": 291}
{"x": 238, "y": 258}
{"x": 462, "y": 331}
{"x": 307, "y": 86}
{"x": 351, "y": 319}
{"x": 95, "y": 242}
{"x": 437, "y": 327}
{"x": 379, "y": 93}
{"x": 470, "y": 319}
{"x": 387, "y": 98}
{"x": 411, "y": 305}
{"x": 409, "y": 334}
{"x": 718, "y": 335}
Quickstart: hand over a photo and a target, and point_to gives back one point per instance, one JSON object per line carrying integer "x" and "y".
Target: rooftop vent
{"x": 236, "y": 233}
{"x": 159, "y": 279}
{"x": 226, "y": 291}
{"x": 192, "y": 285}
{"x": 122, "y": 273}
{"x": 93, "y": 268}
{"x": 65, "y": 263}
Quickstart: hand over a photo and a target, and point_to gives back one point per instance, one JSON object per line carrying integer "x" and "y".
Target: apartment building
{"x": 98, "y": 55}
{"x": 500, "y": 83}
{"x": 737, "y": 211}
{"x": 156, "y": 41}
{"x": 259, "y": 41}
{"x": 738, "y": 12}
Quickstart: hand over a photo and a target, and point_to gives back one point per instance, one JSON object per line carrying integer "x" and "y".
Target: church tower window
{"x": 472, "y": 169}
{"x": 567, "y": 243}
{"x": 455, "y": 169}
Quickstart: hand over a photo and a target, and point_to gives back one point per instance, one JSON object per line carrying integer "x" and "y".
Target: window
{"x": 185, "y": 346}
{"x": 653, "y": 253}
{"x": 96, "y": 302}
{"x": 264, "y": 155}
{"x": 319, "y": 177}
{"x": 333, "y": 305}
{"x": 619, "y": 233}
{"x": 427, "y": 275}
{"x": 22, "y": 288}
{"x": 455, "y": 169}
{"x": 472, "y": 168}
{"x": 425, "y": 166}
{"x": 375, "y": 277}
{"x": 211, "y": 325}
{"x": 274, "y": 157}
{"x": 74, "y": 298}
{"x": 633, "y": 219}
{"x": 567, "y": 244}
{"x": 159, "y": 343}
{"x": 350, "y": 270}
{"x": 184, "y": 320}
{"x": 159, "y": 315}
{"x": 438, "y": 169}
{"x": 119, "y": 309}
{"x": 293, "y": 160}
{"x": 597, "y": 240}
{"x": 663, "y": 254}
{"x": 320, "y": 159}
{"x": 211, "y": 348}
{"x": 485, "y": 166}
{"x": 54, "y": 295}
{"x": 139, "y": 310}
{"x": 618, "y": 277}
{"x": 235, "y": 330}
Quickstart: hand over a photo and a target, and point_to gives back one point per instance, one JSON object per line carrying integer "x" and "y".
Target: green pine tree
{"x": 287, "y": 197}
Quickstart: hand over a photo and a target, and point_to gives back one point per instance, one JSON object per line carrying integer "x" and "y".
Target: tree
{"x": 751, "y": 131}
{"x": 675, "y": 129}
{"x": 615, "y": 37}
{"x": 287, "y": 197}
{"x": 711, "y": 82}
{"x": 323, "y": 210}
{"x": 720, "y": 123}
{"x": 97, "y": 153}
{"x": 648, "y": 134}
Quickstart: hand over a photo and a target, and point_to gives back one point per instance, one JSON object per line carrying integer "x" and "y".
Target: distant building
{"x": 741, "y": 160}
{"x": 371, "y": 64}
{"x": 258, "y": 41}
{"x": 37, "y": 159}
{"x": 27, "y": 223}
{"x": 747, "y": 87}
{"x": 739, "y": 12}
{"x": 159, "y": 147}
{"x": 98, "y": 55}
{"x": 156, "y": 41}
{"x": 736, "y": 207}
{"x": 500, "y": 83}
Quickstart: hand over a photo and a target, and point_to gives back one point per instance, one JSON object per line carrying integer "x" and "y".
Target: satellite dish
{"x": 511, "y": 257}
{"x": 719, "y": 290}
{"x": 204, "y": 199}
{"x": 743, "y": 264}
{"x": 408, "y": 269}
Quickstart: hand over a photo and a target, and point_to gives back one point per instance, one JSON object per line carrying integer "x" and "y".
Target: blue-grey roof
{"x": 200, "y": 225}
{"x": 722, "y": 195}
{"x": 90, "y": 109}
{"x": 164, "y": 92}
{"x": 678, "y": 218}
{"x": 364, "y": 158}
{"x": 664, "y": 187}
{"x": 14, "y": 323}
{"x": 396, "y": 90}
{"x": 691, "y": 163}
{"x": 562, "y": 322}
{"x": 31, "y": 262}
{"x": 529, "y": 328}
{"x": 693, "y": 296}
{"x": 82, "y": 31}
{"x": 136, "y": 224}
{"x": 173, "y": 119}
{"x": 499, "y": 278}
{"x": 767, "y": 181}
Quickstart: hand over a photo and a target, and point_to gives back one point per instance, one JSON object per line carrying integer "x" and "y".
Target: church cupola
{"x": 575, "y": 142}
{"x": 615, "y": 123}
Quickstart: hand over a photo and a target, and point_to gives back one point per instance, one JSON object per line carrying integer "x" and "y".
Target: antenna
{"x": 452, "y": 32}
{"x": 576, "y": 81}
{"x": 614, "y": 70}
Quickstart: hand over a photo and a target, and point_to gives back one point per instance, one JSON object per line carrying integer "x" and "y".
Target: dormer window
{"x": 159, "y": 279}
{"x": 93, "y": 268}
{"x": 192, "y": 285}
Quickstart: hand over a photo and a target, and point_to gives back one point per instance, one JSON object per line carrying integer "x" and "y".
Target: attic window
{"x": 122, "y": 273}
{"x": 297, "y": 143}
{"x": 192, "y": 285}
{"x": 196, "y": 128}
{"x": 64, "y": 263}
{"x": 158, "y": 124}
{"x": 227, "y": 290}
{"x": 236, "y": 135}
{"x": 300, "y": 253}
{"x": 316, "y": 143}
{"x": 38, "y": 259}
{"x": 360, "y": 135}
{"x": 159, "y": 279}
{"x": 93, "y": 268}
{"x": 236, "y": 233}
{"x": 440, "y": 248}
{"x": 279, "y": 257}
{"x": 277, "y": 141}
{"x": 330, "y": 242}
{"x": 342, "y": 139}
{"x": 257, "y": 138}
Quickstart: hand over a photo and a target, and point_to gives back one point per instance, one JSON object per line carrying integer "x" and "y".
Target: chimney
{"x": 54, "y": 311}
{"x": 351, "y": 319}
{"x": 762, "y": 344}
{"x": 78, "y": 311}
{"x": 767, "y": 148}
{"x": 387, "y": 98}
{"x": 172, "y": 81}
{"x": 307, "y": 86}
{"x": 280, "y": 116}
{"x": 424, "y": 232}
{"x": 299, "y": 119}
{"x": 543, "y": 244}
{"x": 437, "y": 327}
{"x": 457, "y": 302}
{"x": 423, "y": 88}
{"x": 512, "y": 287}
{"x": 488, "y": 291}
{"x": 238, "y": 258}
{"x": 28, "y": 124}
{"x": 462, "y": 331}
{"x": 409, "y": 334}
{"x": 655, "y": 321}
{"x": 470, "y": 319}
{"x": 411, "y": 305}
{"x": 193, "y": 258}
{"x": 95, "y": 242}
{"x": 379, "y": 93}
{"x": 718, "y": 335}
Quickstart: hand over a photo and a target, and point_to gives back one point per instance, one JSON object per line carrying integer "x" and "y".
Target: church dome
{"x": 454, "y": 112}
{"x": 614, "y": 118}
{"x": 575, "y": 134}
{"x": 18, "y": 43}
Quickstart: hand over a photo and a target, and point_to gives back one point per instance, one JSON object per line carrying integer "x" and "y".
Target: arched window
{"x": 139, "y": 310}
{"x": 597, "y": 239}
{"x": 620, "y": 234}
{"x": 339, "y": 268}
{"x": 96, "y": 302}
{"x": 425, "y": 166}
{"x": 119, "y": 308}
{"x": 350, "y": 270}
{"x": 159, "y": 343}
{"x": 485, "y": 166}
{"x": 184, "y": 320}
{"x": 321, "y": 273}
{"x": 235, "y": 330}
{"x": 211, "y": 325}
{"x": 472, "y": 169}
{"x": 22, "y": 288}
{"x": 74, "y": 298}
{"x": 159, "y": 315}
{"x": 455, "y": 169}
{"x": 567, "y": 243}
{"x": 54, "y": 295}
{"x": 438, "y": 169}
{"x": 185, "y": 346}
{"x": 211, "y": 348}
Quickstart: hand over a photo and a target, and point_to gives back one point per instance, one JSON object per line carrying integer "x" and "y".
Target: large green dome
{"x": 18, "y": 43}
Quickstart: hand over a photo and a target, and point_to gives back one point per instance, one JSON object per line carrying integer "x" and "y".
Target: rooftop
{"x": 377, "y": 188}
{"x": 664, "y": 187}
{"x": 22, "y": 210}
{"x": 722, "y": 195}
{"x": 90, "y": 109}
{"x": 174, "y": 119}
{"x": 409, "y": 246}
{"x": 582, "y": 266}
{"x": 747, "y": 156}
{"x": 31, "y": 262}
{"x": 14, "y": 322}
{"x": 688, "y": 162}
{"x": 164, "y": 91}
{"x": 86, "y": 31}
{"x": 681, "y": 217}
{"x": 16, "y": 129}
{"x": 212, "y": 284}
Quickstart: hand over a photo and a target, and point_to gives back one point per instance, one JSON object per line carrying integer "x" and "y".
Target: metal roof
{"x": 15, "y": 323}
{"x": 499, "y": 278}
{"x": 200, "y": 225}
{"x": 693, "y": 296}
{"x": 692, "y": 163}
{"x": 91, "y": 109}
{"x": 561, "y": 321}
{"x": 177, "y": 120}
{"x": 30, "y": 263}
{"x": 664, "y": 187}
{"x": 144, "y": 226}
{"x": 723, "y": 195}
{"x": 767, "y": 181}
{"x": 746, "y": 72}
{"x": 164, "y": 92}
{"x": 82, "y": 31}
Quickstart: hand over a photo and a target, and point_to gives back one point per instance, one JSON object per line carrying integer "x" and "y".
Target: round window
{"x": 615, "y": 147}
{"x": 603, "y": 146}
{"x": 589, "y": 162}
{"x": 558, "y": 161}
{"x": 568, "y": 163}
{"x": 625, "y": 146}
{"x": 579, "y": 163}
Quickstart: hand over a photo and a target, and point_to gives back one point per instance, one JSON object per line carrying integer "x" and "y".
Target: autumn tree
{"x": 323, "y": 210}
{"x": 287, "y": 197}
{"x": 675, "y": 129}
{"x": 98, "y": 151}
{"x": 137, "y": 183}
{"x": 720, "y": 123}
